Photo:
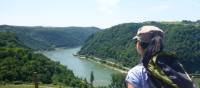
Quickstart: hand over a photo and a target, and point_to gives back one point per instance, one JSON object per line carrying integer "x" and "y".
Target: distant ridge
{"x": 43, "y": 38}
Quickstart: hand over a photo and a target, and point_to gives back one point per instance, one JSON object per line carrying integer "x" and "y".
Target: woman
{"x": 149, "y": 44}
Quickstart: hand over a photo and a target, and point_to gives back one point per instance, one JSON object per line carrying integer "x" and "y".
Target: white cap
{"x": 145, "y": 32}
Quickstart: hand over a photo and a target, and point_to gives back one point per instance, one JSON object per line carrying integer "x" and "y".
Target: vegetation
{"x": 32, "y": 86}
{"x": 197, "y": 82}
{"x": 116, "y": 44}
{"x": 18, "y": 63}
{"x": 50, "y": 37}
{"x": 91, "y": 78}
{"x": 118, "y": 81}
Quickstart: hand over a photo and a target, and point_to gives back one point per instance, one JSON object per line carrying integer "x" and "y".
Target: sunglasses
{"x": 135, "y": 41}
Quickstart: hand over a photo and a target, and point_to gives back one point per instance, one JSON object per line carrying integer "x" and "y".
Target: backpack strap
{"x": 157, "y": 72}
{"x": 168, "y": 72}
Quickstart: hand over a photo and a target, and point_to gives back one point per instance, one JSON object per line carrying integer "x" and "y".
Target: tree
{"x": 91, "y": 77}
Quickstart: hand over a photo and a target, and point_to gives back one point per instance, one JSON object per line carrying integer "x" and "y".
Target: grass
{"x": 197, "y": 82}
{"x": 31, "y": 86}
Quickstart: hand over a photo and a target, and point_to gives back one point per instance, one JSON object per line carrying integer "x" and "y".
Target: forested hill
{"x": 115, "y": 44}
{"x": 50, "y": 37}
{"x": 18, "y": 63}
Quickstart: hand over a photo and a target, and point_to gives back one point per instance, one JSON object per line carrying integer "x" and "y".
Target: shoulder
{"x": 138, "y": 69}
{"x": 136, "y": 75}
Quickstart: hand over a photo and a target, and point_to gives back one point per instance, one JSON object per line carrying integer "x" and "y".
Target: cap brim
{"x": 135, "y": 37}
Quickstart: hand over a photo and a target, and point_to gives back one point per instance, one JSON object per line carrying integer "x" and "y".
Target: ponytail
{"x": 152, "y": 48}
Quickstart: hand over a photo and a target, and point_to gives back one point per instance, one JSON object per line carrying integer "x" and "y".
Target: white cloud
{"x": 107, "y": 6}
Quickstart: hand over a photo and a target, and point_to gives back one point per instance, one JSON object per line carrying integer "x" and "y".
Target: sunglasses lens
{"x": 135, "y": 41}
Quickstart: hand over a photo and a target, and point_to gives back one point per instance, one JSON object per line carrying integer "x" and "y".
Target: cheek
{"x": 137, "y": 47}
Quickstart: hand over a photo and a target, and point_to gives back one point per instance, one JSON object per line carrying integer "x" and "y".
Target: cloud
{"x": 107, "y": 6}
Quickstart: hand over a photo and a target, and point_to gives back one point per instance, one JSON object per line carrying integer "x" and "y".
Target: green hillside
{"x": 50, "y": 37}
{"x": 116, "y": 44}
{"x": 18, "y": 63}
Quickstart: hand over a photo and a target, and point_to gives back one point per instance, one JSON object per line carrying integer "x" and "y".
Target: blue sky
{"x": 99, "y": 13}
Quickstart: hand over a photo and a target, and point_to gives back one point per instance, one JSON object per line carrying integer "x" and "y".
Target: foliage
{"x": 116, "y": 44}
{"x": 18, "y": 63}
{"x": 91, "y": 77}
{"x": 118, "y": 81}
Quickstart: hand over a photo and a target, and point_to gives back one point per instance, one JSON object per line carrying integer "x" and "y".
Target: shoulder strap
{"x": 157, "y": 72}
{"x": 168, "y": 70}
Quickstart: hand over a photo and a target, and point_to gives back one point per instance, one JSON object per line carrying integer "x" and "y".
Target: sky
{"x": 98, "y": 13}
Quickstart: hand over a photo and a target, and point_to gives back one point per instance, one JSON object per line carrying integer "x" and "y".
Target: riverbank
{"x": 106, "y": 63}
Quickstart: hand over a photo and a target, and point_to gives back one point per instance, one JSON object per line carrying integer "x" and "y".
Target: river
{"x": 82, "y": 67}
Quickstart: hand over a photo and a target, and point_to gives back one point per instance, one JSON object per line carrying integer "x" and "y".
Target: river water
{"x": 82, "y": 67}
